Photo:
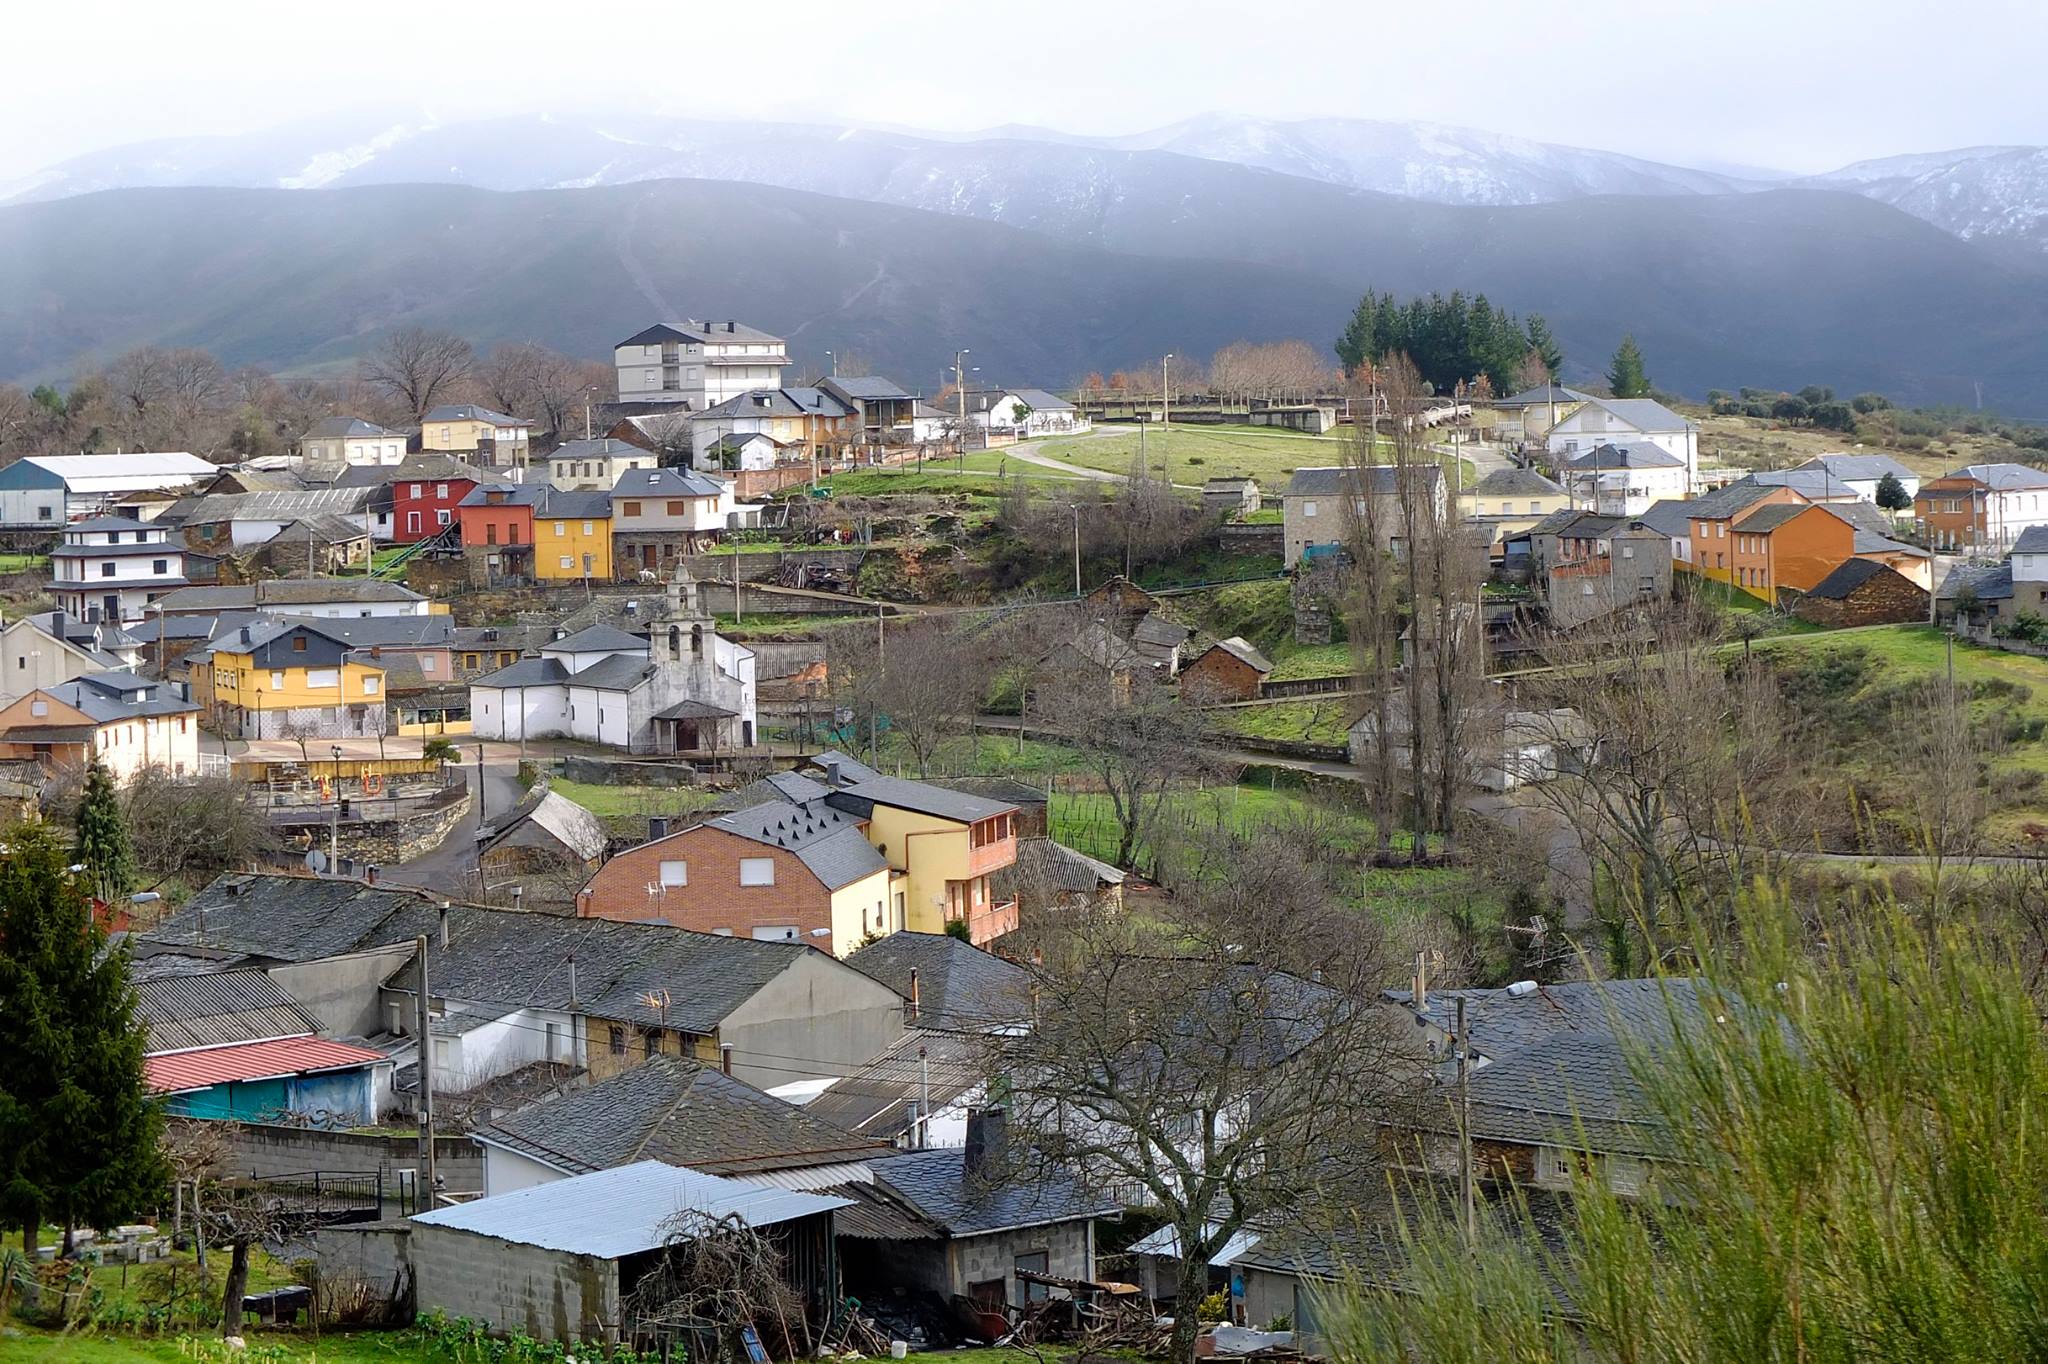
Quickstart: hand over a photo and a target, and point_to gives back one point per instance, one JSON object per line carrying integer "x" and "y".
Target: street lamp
{"x": 586, "y": 410}
{"x": 334, "y": 819}
{"x": 1075, "y": 509}
{"x": 833, "y": 362}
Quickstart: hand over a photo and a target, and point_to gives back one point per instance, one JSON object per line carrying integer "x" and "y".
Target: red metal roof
{"x": 185, "y": 1070}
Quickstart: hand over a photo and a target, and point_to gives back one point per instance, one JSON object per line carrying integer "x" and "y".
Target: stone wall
{"x": 268, "y": 1151}
{"x": 1885, "y": 598}
{"x": 548, "y": 1294}
{"x": 616, "y": 772}
{"x": 386, "y": 843}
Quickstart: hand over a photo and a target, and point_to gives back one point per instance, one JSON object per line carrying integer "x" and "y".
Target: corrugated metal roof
{"x": 209, "y": 1066}
{"x": 623, "y": 1211}
{"x": 222, "y": 1008}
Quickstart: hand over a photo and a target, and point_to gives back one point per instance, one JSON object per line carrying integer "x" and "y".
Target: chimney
{"x": 725, "y": 1058}
{"x": 831, "y": 766}
{"x": 573, "y": 1001}
{"x": 984, "y": 1138}
{"x": 657, "y": 827}
{"x": 1420, "y": 995}
{"x": 731, "y": 327}
{"x": 245, "y": 634}
{"x": 441, "y": 923}
{"x": 518, "y": 894}
{"x": 916, "y": 1003}
{"x": 370, "y": 874}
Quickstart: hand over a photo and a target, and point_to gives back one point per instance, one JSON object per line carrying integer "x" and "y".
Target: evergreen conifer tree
{"x": 1892, "y": 494}
{"x": 1540, "y": 340}
{"x": 1625, "y": 376}
{"x": 79, "y": 1132}
{"x": 103, "y": 837}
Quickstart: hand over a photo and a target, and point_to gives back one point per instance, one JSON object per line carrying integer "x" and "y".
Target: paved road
{"x": 451, "y": 867}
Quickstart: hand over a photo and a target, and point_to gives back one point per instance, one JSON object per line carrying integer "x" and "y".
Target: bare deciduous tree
{"x": 923, "y": 677}
{"x": 1132, "y": 733}
{"x": 1235, "y": 1075}
{"x": 417, "y": 368}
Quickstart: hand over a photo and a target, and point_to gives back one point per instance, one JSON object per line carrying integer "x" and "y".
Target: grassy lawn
{"x": 632, "y": 800}
{"x": 1193, "y": 454}
{"x": 1316, "y": 720}
{"x": 32, "y": 1346}
{"x": 1749, "y": 613}
{"x": 1292, "y": 661}
{"x": 2017, "y": 684}
{"x": 21, "y": 563}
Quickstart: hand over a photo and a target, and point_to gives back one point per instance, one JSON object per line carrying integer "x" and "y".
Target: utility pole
{"x": 480, "y": 810}
{"x": 1471, "y": 1216}
{"x": 1165, "y": 393}
{"x": 960, "y": 393}
{"x": 1075, "y": 509}
{"x": 334, "y": 818}
{"x": 422, "y": 1022}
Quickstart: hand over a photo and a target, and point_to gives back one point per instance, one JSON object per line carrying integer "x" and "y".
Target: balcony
{"x": 991, "y": 921}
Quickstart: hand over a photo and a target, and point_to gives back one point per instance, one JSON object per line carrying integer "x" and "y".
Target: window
{"x": 561, "y": 529}
{"x": 39, "y": 708}
{"x": 298, "y": 644}
{"x": 1628, "y": 551}
{"x": 370, "y": 682}
{"x": 42, "y": 513}
{"x": 469, "y": 660}
{"x": 618, "y": 1041}
{"x": 323, "y": 677}
{"x": 441, "y": 517}
{"x": 675, "y": 873}
{"x": 1034, "y": 1262}
{"x": 490, "y": 533}
{"x": 757, "y": 871}
{"x": 587, "y": 528}
{"x": 107, "y": 569}
{"x": 1585, "y": 589}
{"x": 568, "y": 561}
{"x": 277, "y": 681}
{"x": 675, "y": 509}
{"x": 1308, "y": 509}
{"x": 440, "y": 492}
{"x": 160, "y": 566}
{"x": 428, "y": 663}
{"x": 650, "y": 1042}
{"x": 415, "y": 490}
{"x": 630, "y": 509}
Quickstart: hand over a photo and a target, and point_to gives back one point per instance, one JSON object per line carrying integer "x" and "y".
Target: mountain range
{"x": 1049, "y": 254}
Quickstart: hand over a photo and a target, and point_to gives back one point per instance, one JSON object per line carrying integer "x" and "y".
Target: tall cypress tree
{"x": 103, "y": 837}
{"x": 1625, "y": 376}
{"x": 79, "y": 1133}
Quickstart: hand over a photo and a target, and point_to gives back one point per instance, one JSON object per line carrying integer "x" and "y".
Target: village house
{"x": 50, "y": 647}
{"x": 49, "y": 490}
{"x": 598, "y": 463}
{"x": 1317, "y": 519}
{"x": 481, "y": 649}
{"x": 556, "y": 1262}
{"x": 1033, "y": 412}
{"x": 1982, "y": 506}
{"x": 546, "y": 841}
{"x": 1586, "y": 565}
{"x": 1789, "y": 547}
{"x": 231, "y": 522}
{"x": 572, "y": 536}
{"x": 497, "y": 530}
{"x": 1977, "y": 594}
{"x": 1627, "y": 421}
{"x": 1622, "y": 478}
{"x": 697, "y": 364}
{"x": 512, "y": 988}
{"x": 414, "y": 500}
{"x": 2028, "y": 565}
{"x": 414, "y": 651}
{"x": 338, "y": 443}
{"x": 236, "y": 1045}
{"x": 316, "y": 544}
{"x": 1712, "y": 514}
{"x": 1528, "y": 416}
{"x": 126, "y": 722}
{"x": 1050, "y": 877}
{"x": 677, "y": 1111}
{"x": 281, "y": 680}
{"x": 1862, "y": 592}
{"x": 1508, "y": 501}
{"x": 804, "y": 424}
{"x": 658, "y": 514}
{"x": 1232, "y": 497}
{"x": 794, "y": 872}
{"x": 478, "y": 435}
{"x": 321, "y": 597}
{"x": 1673, "y": 519}
{"x": 688, "y": 689}
{"x": 886, "y": 413}
{"x": 113, "y": 569}
{"x": 1228, "y": 670}
{"x": 1862, "y": 474}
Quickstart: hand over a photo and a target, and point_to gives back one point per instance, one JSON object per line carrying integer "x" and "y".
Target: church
{"x": 683, "y": 688}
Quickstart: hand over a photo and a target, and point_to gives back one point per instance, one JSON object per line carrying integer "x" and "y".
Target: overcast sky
{"x": 1801, "y": 85}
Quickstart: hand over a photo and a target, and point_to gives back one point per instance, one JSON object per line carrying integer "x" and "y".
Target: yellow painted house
{"x": 280, "y": 681}
{"x": 572, "y": 535}
{"x": 491, "y": 439}
{"x": 1510, "y": 501}
{"x": 944, "y": 845}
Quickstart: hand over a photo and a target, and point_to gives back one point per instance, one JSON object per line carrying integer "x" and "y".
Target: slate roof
{"x": 678, "y": 1112}
{"x": 349, "y": 427}
{"x": 1644, "y": 414}
{"x": 781, "y": 402}
{"x": 1333, "y": 480}
{"x": 691, "y": 329}
{"x": 1038, "y": 400}
{"x": 287, "y": 505}
{"x": 426, "y": 466}
{"x": 381, "y": 632}
{"x": 1862, "y": 468}
{"x": 666, "y": 483}
{"x": 1849, "y": 575}
{"x": 1625, "y": 455}
{"x": 588, "y": 504}
{"x": 218, "y": 1009}
{"x": 1155, "y": 630}
{"x": 578, "y": 832}
{"x": 1764, "y": 520}
{"x": 506, "y": 495}
{"x": 694, "y": 710}
{"x": 526, "y": 672}
{"x": 596, "y": 639}
{"x": 1543, "y": 395}
{"x": 827, "y": 841}
{"x": 851, "y": 769}
{"x": 613, "y": 1213}
{"x": 322, "y": 528}
{"x": 494, "y": 956}
{"x": 1240, "y": 648}
{"x": 1723, "y": 503}
{"x": 960, "y": 986}
{"x": 926, "y": 1065}
{"x": 1814, "y": 485}
{"x": 107, "y": 697}
{"x": 861, "y": 797}
{"x": 1990, "y": 582}
{"x": 471, "y": 412}
{"x": 1516, "y": 483}
{"x": 938, "y": 1187}
{"x": 1671, "y": 516}
{"x": 1046, "y": 867}
{"x": 868, "y": 387}
{"x": 2033, "y": 540}
{"x": 600, "y": 447}
{"x": 105, "y": 523}
{"x": 2005, "y": 477}
{"x": 286, "y": 592}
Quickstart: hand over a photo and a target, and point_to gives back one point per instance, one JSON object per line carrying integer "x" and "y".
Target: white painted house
{"x": 349, "y": 442}
{"x": 48, "y": 490}
{"x": 1861, "y": 474}
{"x": 1623, "y": 478}
{"x": 1634, "y": 421}
{"x": 700, "y": 364}
{"x": 110, "y": 568}
{"x": 1034, "y": 412}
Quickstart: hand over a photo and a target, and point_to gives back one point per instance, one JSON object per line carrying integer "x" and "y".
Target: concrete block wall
{"x": 267, "y": 1151}
{"x": 978, "y": 1259}
{"x": 548, "y": 1294}
{"x": 377, "y": 1255}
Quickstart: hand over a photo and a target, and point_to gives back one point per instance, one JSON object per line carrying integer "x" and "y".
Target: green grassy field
{"x": 1749, "y": 614}
{"x": 1317, "y": 720}
{"x": 21, "y": 563}
{"x": 1193, "y": 454}
{"x": 632, "y": 800}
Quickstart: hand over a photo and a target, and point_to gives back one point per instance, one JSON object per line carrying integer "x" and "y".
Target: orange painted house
{"x": 1780, "y": 546}
{"x": 1714, "y": 515}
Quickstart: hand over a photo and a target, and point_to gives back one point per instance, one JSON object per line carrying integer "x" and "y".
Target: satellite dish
{"x": 316, "y": 861}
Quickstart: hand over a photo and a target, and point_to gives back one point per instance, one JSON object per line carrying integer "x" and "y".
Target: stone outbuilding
{"x": 1228, "y": 670}
{"x": 1863, "y": 592}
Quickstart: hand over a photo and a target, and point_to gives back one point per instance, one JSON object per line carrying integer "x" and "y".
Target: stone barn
{"x": 1863, "y": 592}
{"x": 1228, "y": 670}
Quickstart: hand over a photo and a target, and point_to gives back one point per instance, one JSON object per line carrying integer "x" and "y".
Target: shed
{"x": 1228, "y": 670}
{"x": 558, "y": 1260}
{"x": 1863, "y": 592}
{"x": 1231, "y": 497}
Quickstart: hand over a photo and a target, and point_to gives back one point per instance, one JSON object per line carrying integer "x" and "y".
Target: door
{"x": 647, "y": 556}
{"x": 412, "y": 523}
{"x": 111, "y": 609}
